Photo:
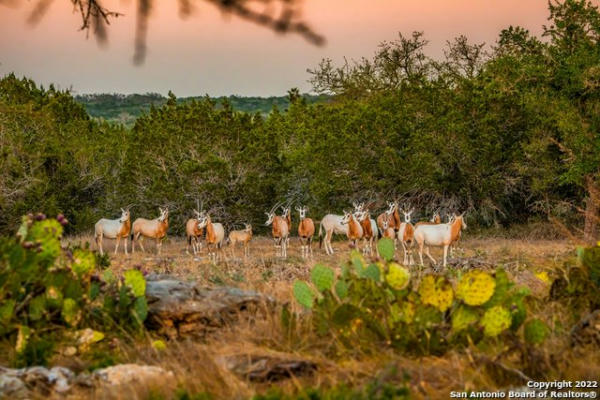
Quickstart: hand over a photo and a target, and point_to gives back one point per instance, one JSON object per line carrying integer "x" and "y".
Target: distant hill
{"x": 125, "y": 109}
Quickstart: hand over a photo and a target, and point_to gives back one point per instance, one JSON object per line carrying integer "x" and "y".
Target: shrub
{"x": 46, "y": 288}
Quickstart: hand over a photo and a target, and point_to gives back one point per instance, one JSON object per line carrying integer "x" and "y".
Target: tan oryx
{"x": 355, "y": 230}
{"x": 306, "y": 231}
{"x": 244, "y": 236}
{"x": 406, "y": 236}
{"x": 113, "y": 229}
{"x": 286, "y": 213}
{"x": 194, "y": 234}
{"x": 369, "y": 227}
{"x": 152, "y": 228}
{"x": 280, "y": 231}
{"x": 215, "y": 234}
{"x": 440, "y": 235}
{"x": 391, "y": 214}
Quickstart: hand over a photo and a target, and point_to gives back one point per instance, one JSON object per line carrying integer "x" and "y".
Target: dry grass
{"x": 197, "y": 367}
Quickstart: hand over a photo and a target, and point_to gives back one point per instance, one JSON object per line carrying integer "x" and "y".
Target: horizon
{"x": 223, "y": 56}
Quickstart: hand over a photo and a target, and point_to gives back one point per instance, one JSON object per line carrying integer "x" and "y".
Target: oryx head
{"x": 346, "y": 218}
{"x": 436, "y": 217}
{"x": 385, "y": 224}
{"x": 164, "y": 214}
{"x": 247, "y": 227}
{"x": 285, "y": 211}
{"x": 270, "y": 216}
{"x": 451, "y": 218}
{"x": 391, "y": 208}
{"x": 302, "y": 211}
{"x": 203, "y": 221}
{"x": 407, "y": 213}
{"x": 125, "y": 215}
{"x": 358, "y": 207}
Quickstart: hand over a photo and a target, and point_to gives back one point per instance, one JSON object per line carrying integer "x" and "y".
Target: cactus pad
{"x": 535, "y": 331}
{"x": 303, "y": 294}
{"x": 397, "y": 276}
{"x": 475, "y": 288}
{"x": 495, "y": 320}
{"x": 135, "y": 280}
{"x": 462, "y": 318}
{"x": 341, "y": 289}
{"x": 322, "y": 277}
{"x": 385, "y": 246}
{"x": 84, "y": 262}
{"x": 372, "y": 272}
{"x": 437, "y": 293}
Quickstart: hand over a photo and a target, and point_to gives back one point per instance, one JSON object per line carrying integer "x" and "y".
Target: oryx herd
{"x": 357, "y": 225}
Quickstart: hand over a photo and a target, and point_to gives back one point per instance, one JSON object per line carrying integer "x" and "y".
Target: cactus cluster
{"x": 48, "y": 284}
{"x": 384, "y": 302}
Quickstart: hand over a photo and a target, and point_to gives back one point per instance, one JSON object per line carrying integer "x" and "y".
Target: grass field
{"x": 199, "y": 368}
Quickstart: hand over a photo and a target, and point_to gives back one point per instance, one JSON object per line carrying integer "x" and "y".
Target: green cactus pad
{"x": 48, "y": 233}
{"x": 37, "y": 306}
{"x": 475, "y": 288}
{"x": 303, "y": 294}
{"x": 341, "y": 289}
{"x": 397, "y": 276}
{"x": 135, "y": 280}
{"x": 462, "y": 318}
{"x": 322, "y": 277}
{"x": 372, "y": 272}
{"x": 140, "y": 308}
{"x": 385, "y": 246}
{"x": 358, "y": 261}
{"x": 70, "y": 312}
{"x": 535, "y": 331}
{"x": 495, "y": 320}
{"x": 6, "y": 310}
{"x": 84, "y": 262}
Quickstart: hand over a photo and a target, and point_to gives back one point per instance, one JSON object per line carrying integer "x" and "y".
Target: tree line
{"x": 509, "y": 132}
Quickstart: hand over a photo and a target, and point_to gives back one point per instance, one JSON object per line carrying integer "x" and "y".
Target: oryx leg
{"x": 117, "y": 245}
{"x": 445, "y": 255}
{"x": 429, "y": 255}
{"x": 140, "y": 239}
{"x": 421, "y": 253}
{"x": 99, "y": 243}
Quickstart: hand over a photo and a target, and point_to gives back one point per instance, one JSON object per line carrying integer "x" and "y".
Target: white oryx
{"x": 153, "y": 228}
{"x": 113, "y": 229}
{"x": 438, "y": 235}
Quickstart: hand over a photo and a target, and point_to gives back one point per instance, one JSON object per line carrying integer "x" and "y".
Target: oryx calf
{"x": 193, "y": 233}
{"x": 243, "y": 236}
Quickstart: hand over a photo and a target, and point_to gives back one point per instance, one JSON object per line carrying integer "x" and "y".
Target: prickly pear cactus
{"x": 535, "y": 331}
{"x": 463, "y": 317}
{"x": 303, "y": 294}
{"x": 341, "y": 289}
{"x": 495, "y": 321}
{"x": 136, "y": 282}
{"x": 322, "y": 277}
{"x": 385, "y": 246}
{"x": 372, "y": 272}
{"x": 397, "y": 276}
{"x": 475, "y": 288}
{"x": 436, "y": 292}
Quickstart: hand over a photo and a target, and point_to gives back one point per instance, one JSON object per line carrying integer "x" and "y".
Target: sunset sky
{"x": 209, "y": 54}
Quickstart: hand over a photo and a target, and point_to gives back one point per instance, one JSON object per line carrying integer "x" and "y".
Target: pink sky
{"x": 207, "y": 53}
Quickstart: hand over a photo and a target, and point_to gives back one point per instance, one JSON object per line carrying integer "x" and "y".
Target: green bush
{"x": 47, "y": 288}
{"x": 383, "y": 304}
